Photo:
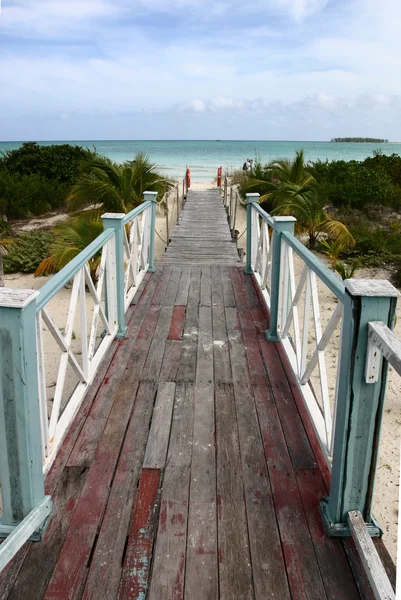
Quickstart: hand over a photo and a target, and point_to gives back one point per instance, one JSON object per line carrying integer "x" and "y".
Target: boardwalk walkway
{"x": 188, "y": 472}
{"x": 203, "y": 236}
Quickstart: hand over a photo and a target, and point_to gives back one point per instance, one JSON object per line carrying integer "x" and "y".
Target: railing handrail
{"x": 136, "y": 211}
{"x": 60, "y": 279}
{"x": 265, "y": 215}
{"x": 334, "y": 284}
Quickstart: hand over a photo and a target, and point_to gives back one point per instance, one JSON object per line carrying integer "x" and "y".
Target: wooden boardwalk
{"x": 188, "y": 472}
{"x": 203, "y": 236}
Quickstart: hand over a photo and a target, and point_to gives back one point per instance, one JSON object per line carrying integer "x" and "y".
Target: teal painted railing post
{"x": 21, "y": 471}
{"x": 116, "y": 221}
{"x": 281, "y": 225}
{"x": 152, "y": 197}
{"x": 359, "y": 408}
{"x": 249, "y": 200}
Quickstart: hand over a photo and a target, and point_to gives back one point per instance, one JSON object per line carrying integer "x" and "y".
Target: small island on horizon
{"x": 360, "y": 139}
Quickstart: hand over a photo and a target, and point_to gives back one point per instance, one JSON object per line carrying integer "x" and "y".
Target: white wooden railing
{"x": 297, "y": 322}
{"x": 39, "y": 399}
{"x": 347, "y": 415}
{"x": 84, "y": 354}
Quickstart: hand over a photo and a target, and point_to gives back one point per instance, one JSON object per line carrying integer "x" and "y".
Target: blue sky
{"x": 200, "y": 69}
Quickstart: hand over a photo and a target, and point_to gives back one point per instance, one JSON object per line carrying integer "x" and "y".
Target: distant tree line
{"x": 360, "y": 139}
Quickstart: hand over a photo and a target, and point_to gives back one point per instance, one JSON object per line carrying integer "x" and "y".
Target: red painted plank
{"x": 9, "y": 574}
{"x": 177, "y": 323}
{"x": 134, "y": 582}
{"x": 70, "y": 572}
{"x": 256, "y": 366}
{"x": 310, "y": 432}
{"x": 336, "y": 573}
{"x": 106, "y": 565}
{"x": 299, "y": 447}
{"x": 302, "y": 567}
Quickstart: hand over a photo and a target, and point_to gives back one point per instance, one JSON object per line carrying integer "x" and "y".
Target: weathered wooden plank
{"x": 310, "y": 432}
{"x": 156, "y": 449}
{"x": 177, "y": 323}
{"x": 134, "y": 581}
{"x": 217, "y": 290}
{"x": 299, "y": 447}
{"x": 107, "y": 383}
{"x": 41, "y": 558}
{"x": 235, "y": 572}
{"x": 361, "y": 579}
{"x": 301, "y": 564}
{"x": 187, "y": 369}
{"x": 69, "y": 575}
{"x": 172, "y": 287}
{"x": 201, "y": 581}
{"x": 162, "y": 285}
{"x": 228, "y": 292}
{"x": 9, "y": 574}
{"x": 266, "y": 553}
{"x": 154, "y": 359}
{"x": 335, "y": 570}
{"x": 180, "y": 447}
{"x": 370, "y": 559}
{"x": 183, "y": 287}
{"x": 137, "y": 351}
{"x": 256, "y": 365}
{"x": 171, "y": 360}
{"x": 170, "y": 549}
{"x": 106, "y": 565}
{"x": 221, "y": 356}
{"x": 206, "y": 287}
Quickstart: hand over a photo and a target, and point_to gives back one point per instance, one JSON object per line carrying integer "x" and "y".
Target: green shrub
{"x": 27, "y": 252}
{"x": 58, "y": 162}
{"x": 22, "y": 196}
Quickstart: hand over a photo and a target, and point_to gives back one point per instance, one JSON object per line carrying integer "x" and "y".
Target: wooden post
{"x": 281, "y": 224}
{"x": 151, "y": 197}
{"x": 178, "y": 207}
{"x": 249, "y": 200}
{"x": 167, "y": 227}
{"x": 116, "y": 221}
{"x": 22, "y": 482}
{"x": 359, "y": 408}
{"x": 235, "y": 218}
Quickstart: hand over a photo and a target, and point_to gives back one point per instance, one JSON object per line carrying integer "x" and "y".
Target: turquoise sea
{"x": 204, "y": 157}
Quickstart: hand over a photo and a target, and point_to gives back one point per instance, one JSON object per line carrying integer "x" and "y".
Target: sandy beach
{"x": 387, "y": 482}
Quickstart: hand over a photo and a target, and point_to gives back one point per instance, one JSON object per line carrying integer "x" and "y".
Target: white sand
{"x": 387, "y": 482}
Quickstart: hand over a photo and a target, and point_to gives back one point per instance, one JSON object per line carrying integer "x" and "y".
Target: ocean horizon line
{"x": 183, "y": 140}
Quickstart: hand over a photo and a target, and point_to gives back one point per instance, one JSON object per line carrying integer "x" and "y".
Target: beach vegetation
{"x": 114, "y": 187}
{"x": 26, "y": 252}
{"x": 54, "y": 162}
{"x": 68, "y": 240}
{"x": 27, "y": 195}
{"x": 346, "y": 271}
{"x": 291, "y": 187}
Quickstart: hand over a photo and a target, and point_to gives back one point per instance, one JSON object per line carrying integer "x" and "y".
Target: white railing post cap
{"x": 150, "y": 196}
{"x": 252, "y": 198}
{"x": 113, "y": 216}
{"x": 284, "y": 219}
{"x": 15, "y": 298}
{"x": 371, "y": 287}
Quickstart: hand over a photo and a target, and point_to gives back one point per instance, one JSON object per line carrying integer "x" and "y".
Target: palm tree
{"x": 293, "y": 189}
{"x": 70, "y": 239}
{"x": 115, "y": 187}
